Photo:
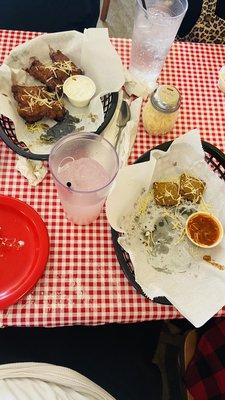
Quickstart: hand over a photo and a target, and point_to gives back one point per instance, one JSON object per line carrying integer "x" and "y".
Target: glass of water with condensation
{"x": 155, "y": 27}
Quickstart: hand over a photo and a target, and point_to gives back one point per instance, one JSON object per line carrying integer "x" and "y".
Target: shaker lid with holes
{"x": 166, "y": 98}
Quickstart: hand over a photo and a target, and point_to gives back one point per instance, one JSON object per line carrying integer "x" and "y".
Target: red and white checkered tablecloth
{"x": 83, "y": 282}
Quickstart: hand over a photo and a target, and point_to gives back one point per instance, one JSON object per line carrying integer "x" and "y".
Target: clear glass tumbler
{"x": 84, "y": 167}
{"x": 155, "y": 28}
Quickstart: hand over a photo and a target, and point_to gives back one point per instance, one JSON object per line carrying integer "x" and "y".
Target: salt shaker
{"x": 162, "y": 110}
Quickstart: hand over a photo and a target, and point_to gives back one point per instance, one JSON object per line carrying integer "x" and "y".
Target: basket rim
{"x": 119, "y": 251}
{"x": 44, "y": 157}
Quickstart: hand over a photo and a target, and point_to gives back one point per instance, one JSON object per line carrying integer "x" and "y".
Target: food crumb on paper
{"x": 213, "y": 262}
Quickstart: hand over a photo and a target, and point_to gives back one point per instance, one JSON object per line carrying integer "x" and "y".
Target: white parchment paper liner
{"x": 198, "y": 294}
{"x": 92, "y": 51}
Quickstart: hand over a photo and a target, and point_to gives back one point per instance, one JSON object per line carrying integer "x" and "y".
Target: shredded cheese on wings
{"x": 44, "y": 98}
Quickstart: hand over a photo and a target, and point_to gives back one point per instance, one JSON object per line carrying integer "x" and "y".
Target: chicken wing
{"x": 35, "y": 103}
{"x": 44, "y": 74}
{"x": 66, "y": 66}
{"x": 23, "y": 94}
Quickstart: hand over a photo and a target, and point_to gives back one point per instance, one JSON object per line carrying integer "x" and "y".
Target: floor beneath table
{"x": 114, "y": 356}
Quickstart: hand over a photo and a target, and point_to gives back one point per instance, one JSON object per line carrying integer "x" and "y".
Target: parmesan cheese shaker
{"x": 162, "y": 110}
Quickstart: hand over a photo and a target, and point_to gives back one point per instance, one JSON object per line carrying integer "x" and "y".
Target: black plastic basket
{"x": 216, "y": 159}
{"x": 8, "y": 134}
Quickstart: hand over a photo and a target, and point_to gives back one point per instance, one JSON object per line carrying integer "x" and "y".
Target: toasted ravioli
{"x": 191, "y": 188}
{"x": 166, "y": 193}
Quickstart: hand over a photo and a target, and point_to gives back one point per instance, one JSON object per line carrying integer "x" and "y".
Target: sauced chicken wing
{"x": 54, "y": 74}
{"x": 44, "y": 74}
{"x": 35, "y": 103}
{"x": 23, "y": 94}
{"x": 55, "y": 112}
{"x": 65, "y": 63}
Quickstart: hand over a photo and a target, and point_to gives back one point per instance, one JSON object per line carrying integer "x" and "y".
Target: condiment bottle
{"x": 162, "y": 110}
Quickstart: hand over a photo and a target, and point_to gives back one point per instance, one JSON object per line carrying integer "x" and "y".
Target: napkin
{"x": 129, "y": 132}
{"x": 198, "y": 291}
{"x": 33, "y": 170}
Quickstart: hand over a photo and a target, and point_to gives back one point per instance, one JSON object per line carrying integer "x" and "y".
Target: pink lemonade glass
{"x": 84, "y": 167}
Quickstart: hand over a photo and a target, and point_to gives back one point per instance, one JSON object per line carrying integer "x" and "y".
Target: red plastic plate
{"x": 23, "y": 256}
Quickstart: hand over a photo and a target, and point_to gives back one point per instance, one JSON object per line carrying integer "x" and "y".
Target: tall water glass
{"x": 155, "y": 28}
{"x": 84, "y": 167}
